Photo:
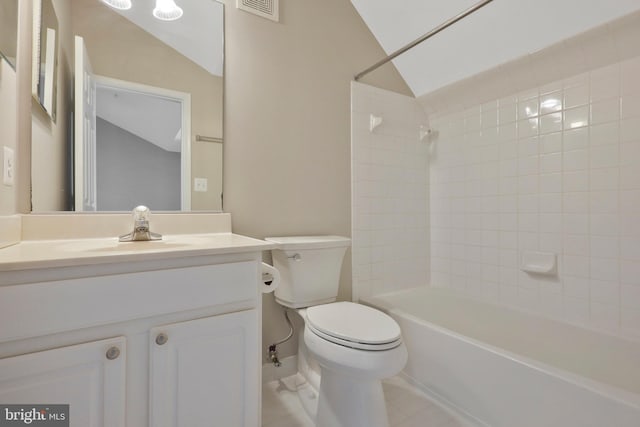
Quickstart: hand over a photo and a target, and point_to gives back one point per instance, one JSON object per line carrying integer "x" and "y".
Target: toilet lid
{"x": 354, "y": 325}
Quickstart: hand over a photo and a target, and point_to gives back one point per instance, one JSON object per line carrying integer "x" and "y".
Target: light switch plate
{"x": 200, "y": 184}
{"x": 8, "y": 166}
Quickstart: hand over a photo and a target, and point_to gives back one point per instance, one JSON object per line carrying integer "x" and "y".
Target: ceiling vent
{"x": 265, "y": 8}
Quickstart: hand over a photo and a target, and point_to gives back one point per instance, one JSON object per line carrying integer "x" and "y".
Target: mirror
{"x": 9, "y": 31}
{"x": 140, "y": 108}
{"x": 45, "y": 55}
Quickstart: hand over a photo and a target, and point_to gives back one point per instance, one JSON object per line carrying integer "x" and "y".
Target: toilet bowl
{"x": 355, "y": 346}
{"x": 354, "y": 358}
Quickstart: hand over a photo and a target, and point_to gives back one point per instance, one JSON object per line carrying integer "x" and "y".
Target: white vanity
{"x": 139, "y": 334}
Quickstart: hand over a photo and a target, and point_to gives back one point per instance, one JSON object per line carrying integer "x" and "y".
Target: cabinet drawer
{"x": 50, "y": 307}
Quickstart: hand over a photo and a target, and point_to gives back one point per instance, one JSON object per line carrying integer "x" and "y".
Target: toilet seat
{"x": 354, "y": 325}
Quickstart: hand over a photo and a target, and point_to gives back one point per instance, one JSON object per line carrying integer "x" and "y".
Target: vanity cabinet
{"x": 89, "y": 377}
{"x": 186, "y": 332}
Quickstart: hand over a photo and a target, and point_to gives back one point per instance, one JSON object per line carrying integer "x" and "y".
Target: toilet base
{"x": 350, "y": 402}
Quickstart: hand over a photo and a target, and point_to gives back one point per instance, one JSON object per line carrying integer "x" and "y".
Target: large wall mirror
{"x": 9, "y": 31}
{"x": 139, "y": 108}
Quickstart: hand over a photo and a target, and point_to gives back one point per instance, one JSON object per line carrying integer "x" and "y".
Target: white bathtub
{"x": 504, "y": 368}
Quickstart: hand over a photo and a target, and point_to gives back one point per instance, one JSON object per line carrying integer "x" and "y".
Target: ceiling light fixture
{"x": 118, "y": 4}
{"x": 167, "y": 10}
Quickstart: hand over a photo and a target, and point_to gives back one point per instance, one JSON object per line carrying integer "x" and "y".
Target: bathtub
{"x": 505, "y": 368}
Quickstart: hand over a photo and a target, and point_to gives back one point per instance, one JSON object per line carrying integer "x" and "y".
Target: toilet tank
{"x": 309, "y": 267}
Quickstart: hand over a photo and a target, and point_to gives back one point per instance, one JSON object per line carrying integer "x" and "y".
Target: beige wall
{"x": 119, "y": 49}
{"x": 7, "y": 129}
{"x": 287, "y": 124}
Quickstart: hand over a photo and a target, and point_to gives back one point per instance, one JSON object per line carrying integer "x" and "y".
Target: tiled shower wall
{"x": 390, "y": 193}
{"x": 555, "y": 169}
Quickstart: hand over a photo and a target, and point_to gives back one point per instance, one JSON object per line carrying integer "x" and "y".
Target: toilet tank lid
{"x": 309, "y": 242}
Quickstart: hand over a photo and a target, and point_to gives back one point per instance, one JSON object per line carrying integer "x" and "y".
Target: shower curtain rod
{"x": 423, "y": 38}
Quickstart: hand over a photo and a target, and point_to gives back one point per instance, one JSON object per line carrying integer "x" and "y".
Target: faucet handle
{"x": 141, "y": 214}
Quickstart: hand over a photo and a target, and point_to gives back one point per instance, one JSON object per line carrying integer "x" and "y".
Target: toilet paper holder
{"x": 270, "y": 278}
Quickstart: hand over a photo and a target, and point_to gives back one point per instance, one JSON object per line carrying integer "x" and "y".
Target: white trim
{"x": 35, "y": 53}
{"x": 185, "y": 101}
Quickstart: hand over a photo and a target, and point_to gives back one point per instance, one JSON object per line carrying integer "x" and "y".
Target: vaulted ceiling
{"x": 501, "y": 31}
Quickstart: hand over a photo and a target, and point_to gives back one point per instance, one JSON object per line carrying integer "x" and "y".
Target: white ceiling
{"x": 198, "y": 35}
{"x": 155, "y": 119}
{"x": 501, "y": 31}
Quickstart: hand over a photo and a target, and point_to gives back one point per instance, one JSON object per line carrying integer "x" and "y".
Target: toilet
{"x": 354, "y": 346}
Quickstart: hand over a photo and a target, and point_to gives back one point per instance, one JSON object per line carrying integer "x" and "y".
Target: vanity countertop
{"x": 37, "y": 254}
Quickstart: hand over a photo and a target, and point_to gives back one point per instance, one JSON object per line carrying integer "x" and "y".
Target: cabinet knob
{"x": 162, "y": 339}
{"x": 113, "y": 353}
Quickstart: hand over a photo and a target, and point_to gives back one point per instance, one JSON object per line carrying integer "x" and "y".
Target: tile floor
{"x": 406, "y": 405}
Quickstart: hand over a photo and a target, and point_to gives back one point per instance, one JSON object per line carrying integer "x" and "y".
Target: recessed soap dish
{"x": 539, "y": 263}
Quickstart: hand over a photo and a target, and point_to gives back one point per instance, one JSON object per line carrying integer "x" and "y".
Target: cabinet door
{"x": 89, "y": 377}
{"x": 205, "y": 372}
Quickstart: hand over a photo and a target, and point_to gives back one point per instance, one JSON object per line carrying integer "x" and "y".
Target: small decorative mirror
{"x": 45, "y": 55}
{"x": 9, "y": 30}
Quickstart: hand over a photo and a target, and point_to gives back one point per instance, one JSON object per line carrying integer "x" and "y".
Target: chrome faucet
{"x": 140, "y": 231}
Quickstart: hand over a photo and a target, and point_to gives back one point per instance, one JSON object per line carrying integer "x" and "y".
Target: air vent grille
{"x": 264, "y": 8}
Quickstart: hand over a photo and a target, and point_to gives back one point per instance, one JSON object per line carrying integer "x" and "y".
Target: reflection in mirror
{"x": 9, "y": 30}
{"x": 45, "y": 54}
{"x": 133, "y": 63}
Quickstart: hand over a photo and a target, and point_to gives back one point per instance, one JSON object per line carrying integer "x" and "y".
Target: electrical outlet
{"x": 200, "y": 184}
{"x": 8, "y": 166}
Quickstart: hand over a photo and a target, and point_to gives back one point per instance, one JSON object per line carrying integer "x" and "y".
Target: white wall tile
{"x": 630, "y": 296}
{"x": 575, "y": 181}
{"x": 551, "y": 163}
{"x": 576, "y": 96}
{"x": 604, "y": 224}
{"x": 576, "y": 118}
{"x": 551, "y": 183}
{"x": 629, "y": 72}
{"x": 630, "y": 322}
{"x": 630, "y": 105}
{"x": 605, "y": 82}
{"x": 630, "y": 130}
{"x": 604, "y": 179}
{"x": 605, "y": 269}
{"x": 604, "y": 156}
{"x": 517, "y": 173}
{"x": 630, "y": 248}
{"x": 576, "y": 310}
{"x": 605, "y": 317}
{"x": 605, "y": 246}
{"x": 630, "y": 201}
{"x": 575, "y": 139}
{"x": 605, "y": 292}
{"x": 578, "y": 223}
{"x": 604, "y": 111}
{"x": 577, "y": 202}
{"x": 630, "y": 272}
{"x": 575, "y": 160}
{"x": 576, "y": 244}
{"x": 605, "y": 202}
{"x": 604, "y": 134}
